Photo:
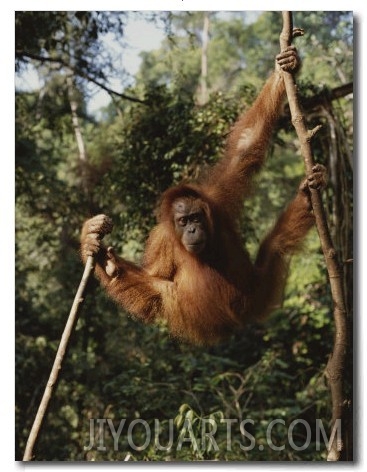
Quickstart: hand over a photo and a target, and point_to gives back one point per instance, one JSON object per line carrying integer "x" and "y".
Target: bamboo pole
{"x": 73, "y": 316}
{"x": 335, "y": 367}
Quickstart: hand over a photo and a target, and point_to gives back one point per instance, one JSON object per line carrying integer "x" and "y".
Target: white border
{"x": 7, "y": 199}
{"x": 228, "y": 5}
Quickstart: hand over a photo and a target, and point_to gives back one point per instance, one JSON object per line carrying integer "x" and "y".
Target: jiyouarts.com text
{"x": 140, "y": 434}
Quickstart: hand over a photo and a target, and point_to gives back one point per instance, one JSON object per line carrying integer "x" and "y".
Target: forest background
{"x": 161, "y": 125}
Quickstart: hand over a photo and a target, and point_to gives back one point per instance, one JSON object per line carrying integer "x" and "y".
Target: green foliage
{"x": 177, "y": 137}
{"x": 117, "y": 369}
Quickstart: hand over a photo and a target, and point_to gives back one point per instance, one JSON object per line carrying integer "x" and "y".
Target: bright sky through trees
{"x": 140, "y": 35}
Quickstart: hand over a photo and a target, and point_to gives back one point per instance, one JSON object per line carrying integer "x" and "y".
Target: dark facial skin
{"x": 189, "y": 219}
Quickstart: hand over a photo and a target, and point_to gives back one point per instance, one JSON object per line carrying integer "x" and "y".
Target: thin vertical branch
{"x": 75, "y": 120}
{"x": 336, "y": 364}
{"x": 73, "y": 316}
{"x": 83, "y": 158}
{"x": 203, "y": 95}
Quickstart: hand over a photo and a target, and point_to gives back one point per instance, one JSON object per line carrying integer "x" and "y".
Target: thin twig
{"x": 73, "y": 316}
{"x": 336, "y": 364}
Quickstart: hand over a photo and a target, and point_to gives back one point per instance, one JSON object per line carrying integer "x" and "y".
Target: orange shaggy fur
{"x": 204, "y": 298}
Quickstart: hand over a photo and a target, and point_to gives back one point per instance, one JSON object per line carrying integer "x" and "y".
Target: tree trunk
{"x": 82, "y": 153}
{"x": 203, "y": 89}
{"x": 335, "y": 369}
